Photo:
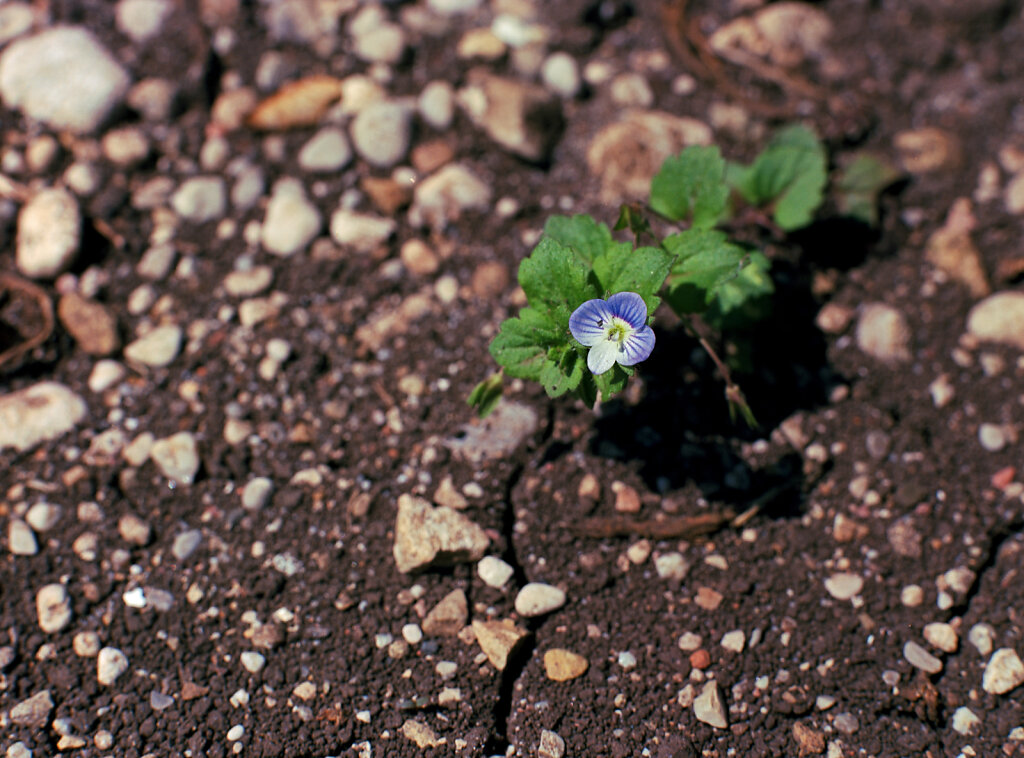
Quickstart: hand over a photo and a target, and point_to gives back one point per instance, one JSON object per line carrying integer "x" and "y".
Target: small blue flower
{"x": 615, "y": 330}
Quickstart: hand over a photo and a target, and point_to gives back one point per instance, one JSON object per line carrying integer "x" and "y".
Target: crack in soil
{"x": 995, "y": 539}
{"x": 499, "y": 741}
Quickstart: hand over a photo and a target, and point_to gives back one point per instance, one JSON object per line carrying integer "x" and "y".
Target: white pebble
{"x": 844, "y": 586}
{"x": 965, "y": 721}
{"x": 53, "y": 607}
{"x": 537, "y": 599}
{"x": 493, "y": 571}
{"x": 1004, "y": 672}
{"x": 942, "y": 636}
{"x": 21, "y": 540}
{"x": 110, "y": 664}
{"x": 236, "y": 733}
{"x": 252, "y": 661}
{"x": 983, "y": 637}
{"x": 256, "y": 493}
{"x": 49, "y": 232}
{"x": 412, "y": 634}
{"x": 920, "y": 658}
{"x": 734, "y": 641}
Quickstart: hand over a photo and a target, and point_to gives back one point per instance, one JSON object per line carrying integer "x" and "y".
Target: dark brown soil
{"x": 864, "y": 426}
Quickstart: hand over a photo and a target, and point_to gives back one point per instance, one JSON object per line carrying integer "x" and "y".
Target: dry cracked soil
{"x": 252, "y": 253}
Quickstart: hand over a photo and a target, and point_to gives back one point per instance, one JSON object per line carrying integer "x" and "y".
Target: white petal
{"x": 602, "y": 356}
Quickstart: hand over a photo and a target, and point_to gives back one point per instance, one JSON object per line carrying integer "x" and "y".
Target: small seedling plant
{"x": 591, "y": 297}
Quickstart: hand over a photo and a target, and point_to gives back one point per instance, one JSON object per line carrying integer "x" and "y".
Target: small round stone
{"x": 21, "y": 540}
{"x": 186, "y": 543}
{"x": 257, "y": 493}
{"x": 920, "y": 658}
{"x": 86, "y": 644}
{"x": 252, "y": 661}
{"x": 942, "y": 636}
{"x": 412, "y": 633}
{"x": 844, "y": 586}
{"x": 538, "y": 599}
{"x": 236, "y": 733}
{"x": 494, "y": 572}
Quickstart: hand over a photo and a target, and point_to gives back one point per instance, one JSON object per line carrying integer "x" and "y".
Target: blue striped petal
{"x": 636, "y": 347}
{"x": 630, "y": 307}
{"x": 589, "y": 322}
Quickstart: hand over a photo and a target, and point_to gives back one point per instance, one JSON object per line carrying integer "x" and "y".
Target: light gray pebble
{"x": 157, "y": 261}
{"x": 672, "y": 566}
{"x": 141, "y": 19}
{"x": 381, "y": 133}
{"x": 1003, "y": 672}
{"x": 965, "y": 721}
{"x": 494, "y": 571}
{"x": 360, "y": 231}
{"x": 33, "y": 711}
{"x": 436, "y": 104}
{"x": 53, "y": 608}
{"x": 21, "y": 540}
{"x": 292, "y": 221}
{"x": 15, "y": 19}
{"x": 200, "y": 199}
{"x": 999, "y": 318}
{"x": 326, "y": 151}
{"x": 43, "y": 516}
{"x": 846, "y": 723}
{"x": 442, "y": 198}
{"x": 63, "y": 77}
{"x": 249, "y": 282}
{"x": 248, "y": 188}
{"x": 256, "y": 493}
{"x": 883, "y": 333}
{"x": 538, "y": 599}
{"x": 877, "y": 444}
{"x": 983, "y": 637}
{"x": 992, "y": 437}
{"x": 158, "y": 701}
{"x": 153, "y": 98}
{"x": 49, "y": 234}
{"x": 126, "y": 146}
{"x": 186, "y": 543}
{"x": 110, "y": 664}
{"x": 561, "y": 74}
{"x": 157, "y": 348}
{"x": 134, "y": 530}
{"x": 177, "y": 457}
{"x": 43, "y": 411}
{"x": 920, "y": 658}
{"x": 252, "y": 661}
{"x": 709, "y": 708}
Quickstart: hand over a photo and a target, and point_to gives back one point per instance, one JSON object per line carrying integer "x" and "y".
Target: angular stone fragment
{"x": 952, "y": 250}
{"x": 523, "y": 118}
{"x": 421, "y": 734}
{"x": 1004, "y": 672}
{"x": 33, "y": 711}
{"x": 709, "y": 708}
{"x": 448, "y": 617}
{"x": 496, "y": 436}
{"x": 156, "y": 348}
{"x": 426, "y": 536}
{"x": 498, "y": 640}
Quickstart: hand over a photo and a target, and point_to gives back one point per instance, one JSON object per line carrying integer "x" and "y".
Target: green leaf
{"x": 485, "y": 396}
{"x": 556, "y": 280}
{"x": 584, "y": 235}
{"x": 704, "y": 261}
{"x": 745, "y": 298}
{"x": 692, "y": 186}
{"x": 860, "y": 184}
{"x": 522, "y": 343}
{"x": 642, "y": 271}
{"x": 790, "y": 173}
{"x": 563, "y": 371}
{"x": 613, "y": 380}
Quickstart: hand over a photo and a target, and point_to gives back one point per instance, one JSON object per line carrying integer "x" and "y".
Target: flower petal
{"x": 637, "y": 347}
{"x": 630, "y": 307}
{"x": 602, "y": 356}
{"x": 589, "y": 322}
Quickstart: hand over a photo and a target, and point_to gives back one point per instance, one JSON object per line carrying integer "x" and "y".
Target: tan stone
{"x": 498, "y": 640}
{"x": 448, "y": 617}
{"x": 951, "y": 249}
{"x": 93, "y": 327}
{"x": 562, "y": 665}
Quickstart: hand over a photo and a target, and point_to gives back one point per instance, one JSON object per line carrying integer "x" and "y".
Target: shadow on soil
{"x": 681, "y": 429}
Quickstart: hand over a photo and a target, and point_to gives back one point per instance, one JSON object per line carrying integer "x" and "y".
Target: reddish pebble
{"x": 1003, "y": 477}
{"x": 700, "y": 659}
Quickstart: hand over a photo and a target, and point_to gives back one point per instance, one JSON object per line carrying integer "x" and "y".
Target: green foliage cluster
{"x": 698, "y": 270}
